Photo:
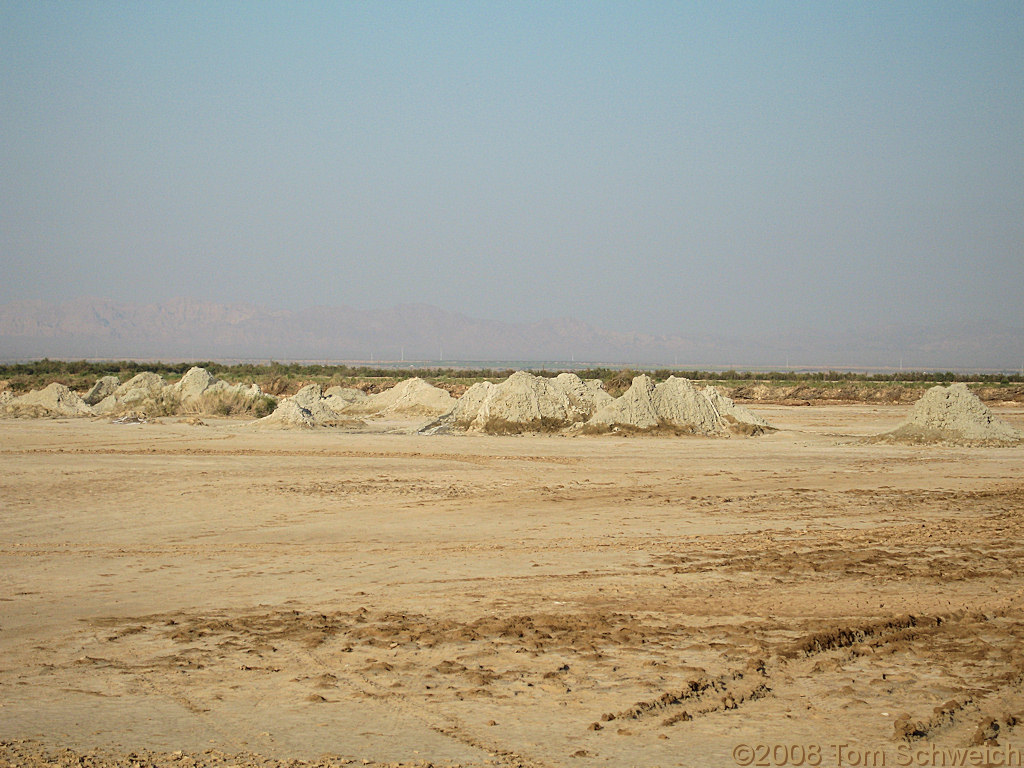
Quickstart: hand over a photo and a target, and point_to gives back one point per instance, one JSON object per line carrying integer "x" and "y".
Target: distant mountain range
{"x": 190, "y": 329}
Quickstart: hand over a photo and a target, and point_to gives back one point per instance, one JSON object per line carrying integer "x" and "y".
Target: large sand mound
{"x": 528, "y": 403}
{"x": 55, "y": 400}
{"x": 952, "y": 414}
{"x": 521, "y": 403}
{"x": 198, "y": 391}
{"x": 674, "y": 405}
{"x": 410, "y": 398}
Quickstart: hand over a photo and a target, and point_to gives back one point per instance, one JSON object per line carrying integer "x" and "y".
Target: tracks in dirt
{"x": 985, "y": 708}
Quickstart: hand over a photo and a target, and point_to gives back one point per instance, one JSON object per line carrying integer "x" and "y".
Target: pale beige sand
{"x": 485, "y": 600}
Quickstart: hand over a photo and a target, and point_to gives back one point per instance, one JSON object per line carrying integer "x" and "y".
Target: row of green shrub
{"x": 276, "y": 376}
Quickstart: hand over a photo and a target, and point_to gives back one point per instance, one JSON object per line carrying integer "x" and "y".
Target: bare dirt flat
{"x": 183, "y": 595}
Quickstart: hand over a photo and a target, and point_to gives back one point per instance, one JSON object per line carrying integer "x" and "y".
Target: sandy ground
{"x": 212, "y": 595}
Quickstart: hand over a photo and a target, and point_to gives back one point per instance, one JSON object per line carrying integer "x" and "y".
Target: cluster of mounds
{"x": 146, "y": 394}
{"x": 341, "y": 406}
{"x": 523, "y": 403}
{"x": 675, "y": 406}
{"x": 527, "y": 403}
{"x": 954, "y": 415}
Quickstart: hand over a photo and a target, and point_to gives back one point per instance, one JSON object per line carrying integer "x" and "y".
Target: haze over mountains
{"x": 190, "y": 329}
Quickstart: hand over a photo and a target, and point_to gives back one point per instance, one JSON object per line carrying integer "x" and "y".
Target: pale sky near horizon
{"x": 643, "y": 166}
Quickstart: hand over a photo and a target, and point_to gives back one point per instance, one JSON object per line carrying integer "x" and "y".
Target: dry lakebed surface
{"x": 177, "y": 594}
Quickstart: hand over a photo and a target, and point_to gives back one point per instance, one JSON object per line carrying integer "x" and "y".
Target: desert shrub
{"x": 229, "y": 403}
{"x": 263, "y": 406}
{"x": 164, "y": 404}
{"x": 620, "y": 381}
{"x": 663, "y": 429}
{"x": 496, "y": 426}
{"x": 278, "y": 385}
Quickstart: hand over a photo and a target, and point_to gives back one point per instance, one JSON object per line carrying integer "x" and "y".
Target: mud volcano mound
{"x": 952, "y": 414}
{"x": 307, "y": 408}
{"x": 528, "y": 403}
{"x": 412, "y": 398}
{"x": 674, "y": 406}
{"x": 53, "y": 401}
{"x": 523, "y": 403}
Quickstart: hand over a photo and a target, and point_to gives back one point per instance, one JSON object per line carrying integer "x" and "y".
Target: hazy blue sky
{"x": 644, "y": 166}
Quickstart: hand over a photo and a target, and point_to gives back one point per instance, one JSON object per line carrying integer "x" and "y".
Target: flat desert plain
{"x": 180, "y": 595}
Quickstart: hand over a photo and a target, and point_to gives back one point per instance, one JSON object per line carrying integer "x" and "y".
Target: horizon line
{"x": 528, "y": 365}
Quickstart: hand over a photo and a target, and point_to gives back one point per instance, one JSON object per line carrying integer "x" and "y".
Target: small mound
{"x": 306, "y": 408}
{"x": 289, "y": 414}
{"x": 311, "y": 399}
{"x": 102, "y": 389}
{"x": 740, "y": 419}
{"x": 410, "y": 398}
{"x": 54, "y": 400}
{"x": 952, "y": 414}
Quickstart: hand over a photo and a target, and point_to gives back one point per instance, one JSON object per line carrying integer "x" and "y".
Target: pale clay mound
{"x": 311, "y": 400}
{"x": 585, "y": 397}
{"x": 345, "y": 394}
{"x": 952, "y": 414}
{"x": 145, "y": 393}
{"x": 633, "y": 408}
{"x": 523, "y": 402}
{"x": 141, "y": 387}
{"x": 197, "y": 391}
{"x": 288, "y": 414}
{"x": 410, "y": 398}
{"x": 465, "y": 411}
{"x": 194, "y": 383}
{"x": 54, "y": 400}
{"x": 199, "y": 383}
{"x": 732, "y": 412}
{"x": 675, "y": 404}
{"x": 102, "y": 389}
{"x": 307, "y": 408}
{"x": 679, "y": 404}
